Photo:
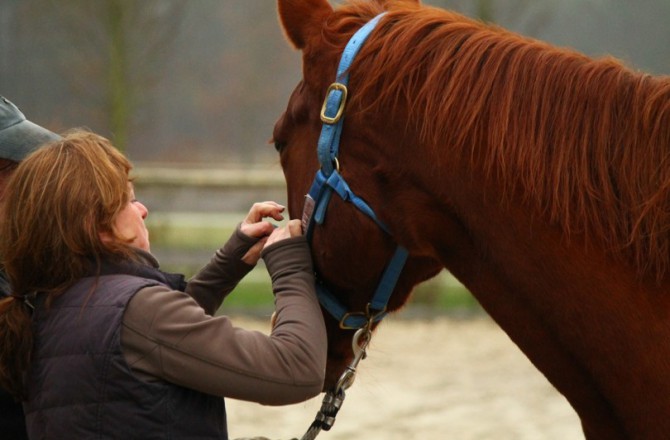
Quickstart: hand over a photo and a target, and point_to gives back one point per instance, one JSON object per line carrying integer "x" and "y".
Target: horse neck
{"x": 455, "y": 211}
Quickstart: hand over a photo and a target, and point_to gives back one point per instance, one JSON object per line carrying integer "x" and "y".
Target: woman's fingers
{"x": 261, "y": 210}
{"x": 292, "y": 229}
{"x": 260, "y": 229}
{"x": 254, "y": 226}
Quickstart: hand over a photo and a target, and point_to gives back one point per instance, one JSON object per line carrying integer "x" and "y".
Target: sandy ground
{"x": 440, "y": 378}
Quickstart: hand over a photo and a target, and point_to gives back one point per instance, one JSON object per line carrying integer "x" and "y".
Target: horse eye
{"x": 279, "y": 146}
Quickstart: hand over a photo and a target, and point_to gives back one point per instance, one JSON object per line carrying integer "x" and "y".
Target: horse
{"x": 538, "y": 176}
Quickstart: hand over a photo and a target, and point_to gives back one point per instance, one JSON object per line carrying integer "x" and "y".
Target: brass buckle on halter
{"x": 340, "y": 110}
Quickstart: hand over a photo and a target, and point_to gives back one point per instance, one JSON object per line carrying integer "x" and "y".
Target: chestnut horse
{"x": 538, "y": 176}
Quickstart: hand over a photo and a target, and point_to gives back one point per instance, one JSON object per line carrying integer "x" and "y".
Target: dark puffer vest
{"x": 80, "y": 386}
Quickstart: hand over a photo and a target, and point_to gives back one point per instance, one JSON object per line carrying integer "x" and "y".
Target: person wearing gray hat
{"x": 18, "y": 138}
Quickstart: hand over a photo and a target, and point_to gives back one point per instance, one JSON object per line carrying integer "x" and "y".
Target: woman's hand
{"x": 254, "y": 226}
{"x": 293, "y": 228}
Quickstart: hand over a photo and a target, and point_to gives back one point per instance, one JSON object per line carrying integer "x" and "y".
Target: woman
{"x": 101, "y": 344}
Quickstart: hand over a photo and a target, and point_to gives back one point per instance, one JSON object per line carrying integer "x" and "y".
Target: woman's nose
{"x": 143, "y": 210}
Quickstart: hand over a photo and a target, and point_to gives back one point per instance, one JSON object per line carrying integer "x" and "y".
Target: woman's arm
{"x": 218, "y": 278}
{"x": 167, "y": 335}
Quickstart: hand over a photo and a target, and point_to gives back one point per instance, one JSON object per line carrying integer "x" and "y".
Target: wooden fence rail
{"x": 225, "y": 178}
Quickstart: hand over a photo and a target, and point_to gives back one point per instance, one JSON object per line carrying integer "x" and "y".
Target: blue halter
{"x": 328, "y": 181}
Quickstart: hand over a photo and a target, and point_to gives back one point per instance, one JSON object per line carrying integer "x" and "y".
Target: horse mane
{"x": 586, "y": 141}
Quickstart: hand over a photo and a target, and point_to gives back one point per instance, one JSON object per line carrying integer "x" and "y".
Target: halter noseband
{"x": 328, "y": 181}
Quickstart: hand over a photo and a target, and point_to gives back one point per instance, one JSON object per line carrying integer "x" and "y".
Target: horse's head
{"x": 350, "y": 250}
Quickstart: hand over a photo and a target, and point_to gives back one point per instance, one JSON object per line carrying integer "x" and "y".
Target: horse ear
{"x": 301, "y": 19}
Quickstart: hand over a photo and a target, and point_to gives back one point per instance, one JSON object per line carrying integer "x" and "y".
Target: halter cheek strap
{"x": 328, "y": 181}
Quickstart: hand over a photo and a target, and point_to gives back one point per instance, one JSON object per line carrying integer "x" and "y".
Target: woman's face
{"x": 129, "y": 224}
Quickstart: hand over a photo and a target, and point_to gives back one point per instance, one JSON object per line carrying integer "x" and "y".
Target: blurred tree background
{"x": 203, "y": 81}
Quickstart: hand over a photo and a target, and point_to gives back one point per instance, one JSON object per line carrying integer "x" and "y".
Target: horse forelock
{"x": 586, "y": 141}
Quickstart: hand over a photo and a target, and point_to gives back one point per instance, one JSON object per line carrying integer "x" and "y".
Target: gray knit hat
{"x": 19, "y": 136}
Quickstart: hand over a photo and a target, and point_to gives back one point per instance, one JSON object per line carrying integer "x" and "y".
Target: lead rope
{"x": 332, "y": 401}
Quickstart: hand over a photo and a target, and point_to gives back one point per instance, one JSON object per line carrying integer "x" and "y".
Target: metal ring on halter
{"x": 373, "y": 314}
{"x": 336, "y": 164}
{"x": 370, "y": 316}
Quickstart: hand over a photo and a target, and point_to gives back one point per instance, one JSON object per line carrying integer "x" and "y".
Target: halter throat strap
{"x": 328, "y": 181}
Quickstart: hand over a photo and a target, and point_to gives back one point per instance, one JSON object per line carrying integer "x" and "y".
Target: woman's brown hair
{"x": 56, "y": 204}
